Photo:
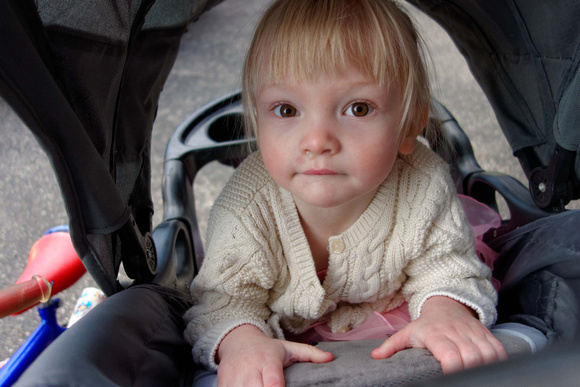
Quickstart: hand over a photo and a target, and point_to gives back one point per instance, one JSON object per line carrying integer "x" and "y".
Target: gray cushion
{"x": 353, "y": 365}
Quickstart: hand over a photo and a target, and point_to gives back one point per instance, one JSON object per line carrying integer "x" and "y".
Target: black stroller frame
{"x": 538, "y": 116}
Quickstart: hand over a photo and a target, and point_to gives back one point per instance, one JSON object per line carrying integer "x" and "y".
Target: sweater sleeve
{"x": 232, "y": 287}
{"x": 444, "y": 262}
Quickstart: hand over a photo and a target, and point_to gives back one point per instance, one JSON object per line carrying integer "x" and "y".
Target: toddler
{"x": 343, "y": 224}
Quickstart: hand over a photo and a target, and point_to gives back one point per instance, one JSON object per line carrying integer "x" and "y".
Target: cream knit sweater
{"x": 412, "y": 242}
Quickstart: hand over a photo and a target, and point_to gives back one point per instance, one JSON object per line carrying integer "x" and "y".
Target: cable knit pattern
{"x": 411, "y": 243}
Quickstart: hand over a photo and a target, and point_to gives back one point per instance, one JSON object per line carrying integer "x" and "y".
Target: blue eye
{"x": 358, "y": 109}
{"x": 285, "y": 110}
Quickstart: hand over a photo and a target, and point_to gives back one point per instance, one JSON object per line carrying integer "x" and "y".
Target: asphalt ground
{"x": 207, "y": 67}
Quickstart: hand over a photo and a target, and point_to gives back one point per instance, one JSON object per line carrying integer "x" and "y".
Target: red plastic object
{"x": 24, "y": 295}
{"x": 54, "y": 258}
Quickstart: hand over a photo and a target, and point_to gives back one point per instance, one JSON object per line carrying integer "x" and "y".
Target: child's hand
{"x": 247, "y": 357}
{"x": 451, "y": 332}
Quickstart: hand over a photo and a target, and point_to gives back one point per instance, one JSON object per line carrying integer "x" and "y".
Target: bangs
{"x": 307, "y": 38}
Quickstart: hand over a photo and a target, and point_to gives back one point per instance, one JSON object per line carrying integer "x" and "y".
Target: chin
{"x": 324, "y": 202}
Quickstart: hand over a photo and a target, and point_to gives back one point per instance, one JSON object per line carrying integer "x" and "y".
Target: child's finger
{"x": 491, "y": 349}
{"x": 392, "y": 345}
{"x": 297, "y": 352}
{"x": 489, "y": 354}
{"x": 467, "y": 355}
{"x": 467, "y": 352}
{"x": 449, "y": 355}
{"x": 499, "y": 349}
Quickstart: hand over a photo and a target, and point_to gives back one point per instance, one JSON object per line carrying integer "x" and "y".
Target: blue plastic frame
{"x": 46, "y": 333}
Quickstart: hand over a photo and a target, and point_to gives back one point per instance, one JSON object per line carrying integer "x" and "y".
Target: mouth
{"x": 319, "y": 172}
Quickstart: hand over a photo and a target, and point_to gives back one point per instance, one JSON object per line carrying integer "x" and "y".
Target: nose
{"x": 319, "y": 139}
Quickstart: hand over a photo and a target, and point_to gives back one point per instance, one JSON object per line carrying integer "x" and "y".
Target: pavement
{"x": 207, "y": 67}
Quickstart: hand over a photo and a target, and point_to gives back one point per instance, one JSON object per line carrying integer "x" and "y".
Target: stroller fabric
{"x": 526, "y": 57}
{"x": 85, "y": 77}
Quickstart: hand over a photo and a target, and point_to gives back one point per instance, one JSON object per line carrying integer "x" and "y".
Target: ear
{"x": 408, "y": 143}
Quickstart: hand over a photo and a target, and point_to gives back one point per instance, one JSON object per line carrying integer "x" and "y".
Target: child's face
{"x": 331, "y": 141}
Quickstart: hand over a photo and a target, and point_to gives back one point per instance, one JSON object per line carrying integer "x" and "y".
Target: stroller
{"x": 533, "y": 94}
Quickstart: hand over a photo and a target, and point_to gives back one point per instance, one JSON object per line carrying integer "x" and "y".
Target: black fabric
{"x": 525, "y": 56}
{"x": 133, "y": 338}
{"x": 111, "y": 20}
{"x": 91, "y": 102}
{"x": 85, "y": 77}
{"x": 539, "y": 268}
{"x": 176, "y": 13}
{"x": 31, "y": 81}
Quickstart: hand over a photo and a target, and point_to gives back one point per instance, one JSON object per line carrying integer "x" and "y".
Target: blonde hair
{"x": 299, "y": 39}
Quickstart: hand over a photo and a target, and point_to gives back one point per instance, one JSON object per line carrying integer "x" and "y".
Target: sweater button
{"x": 337, "y": 246}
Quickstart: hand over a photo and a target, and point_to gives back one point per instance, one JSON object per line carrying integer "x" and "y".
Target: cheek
{"x": 269, "y": 157}
{"x": 375, "y": 162}
{"x": 274, "y": 157}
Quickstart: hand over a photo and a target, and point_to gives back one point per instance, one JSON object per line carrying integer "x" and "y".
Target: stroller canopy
{"x": 525, "y": 56}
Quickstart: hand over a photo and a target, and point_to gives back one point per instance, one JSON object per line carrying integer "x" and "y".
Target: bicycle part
{"x": 47, "y": 331}
{"x": 54, "y": 258}
{"x": 24, "y": 295}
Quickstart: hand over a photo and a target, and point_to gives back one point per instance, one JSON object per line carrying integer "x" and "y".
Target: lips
{"x": 320, "y": 172}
